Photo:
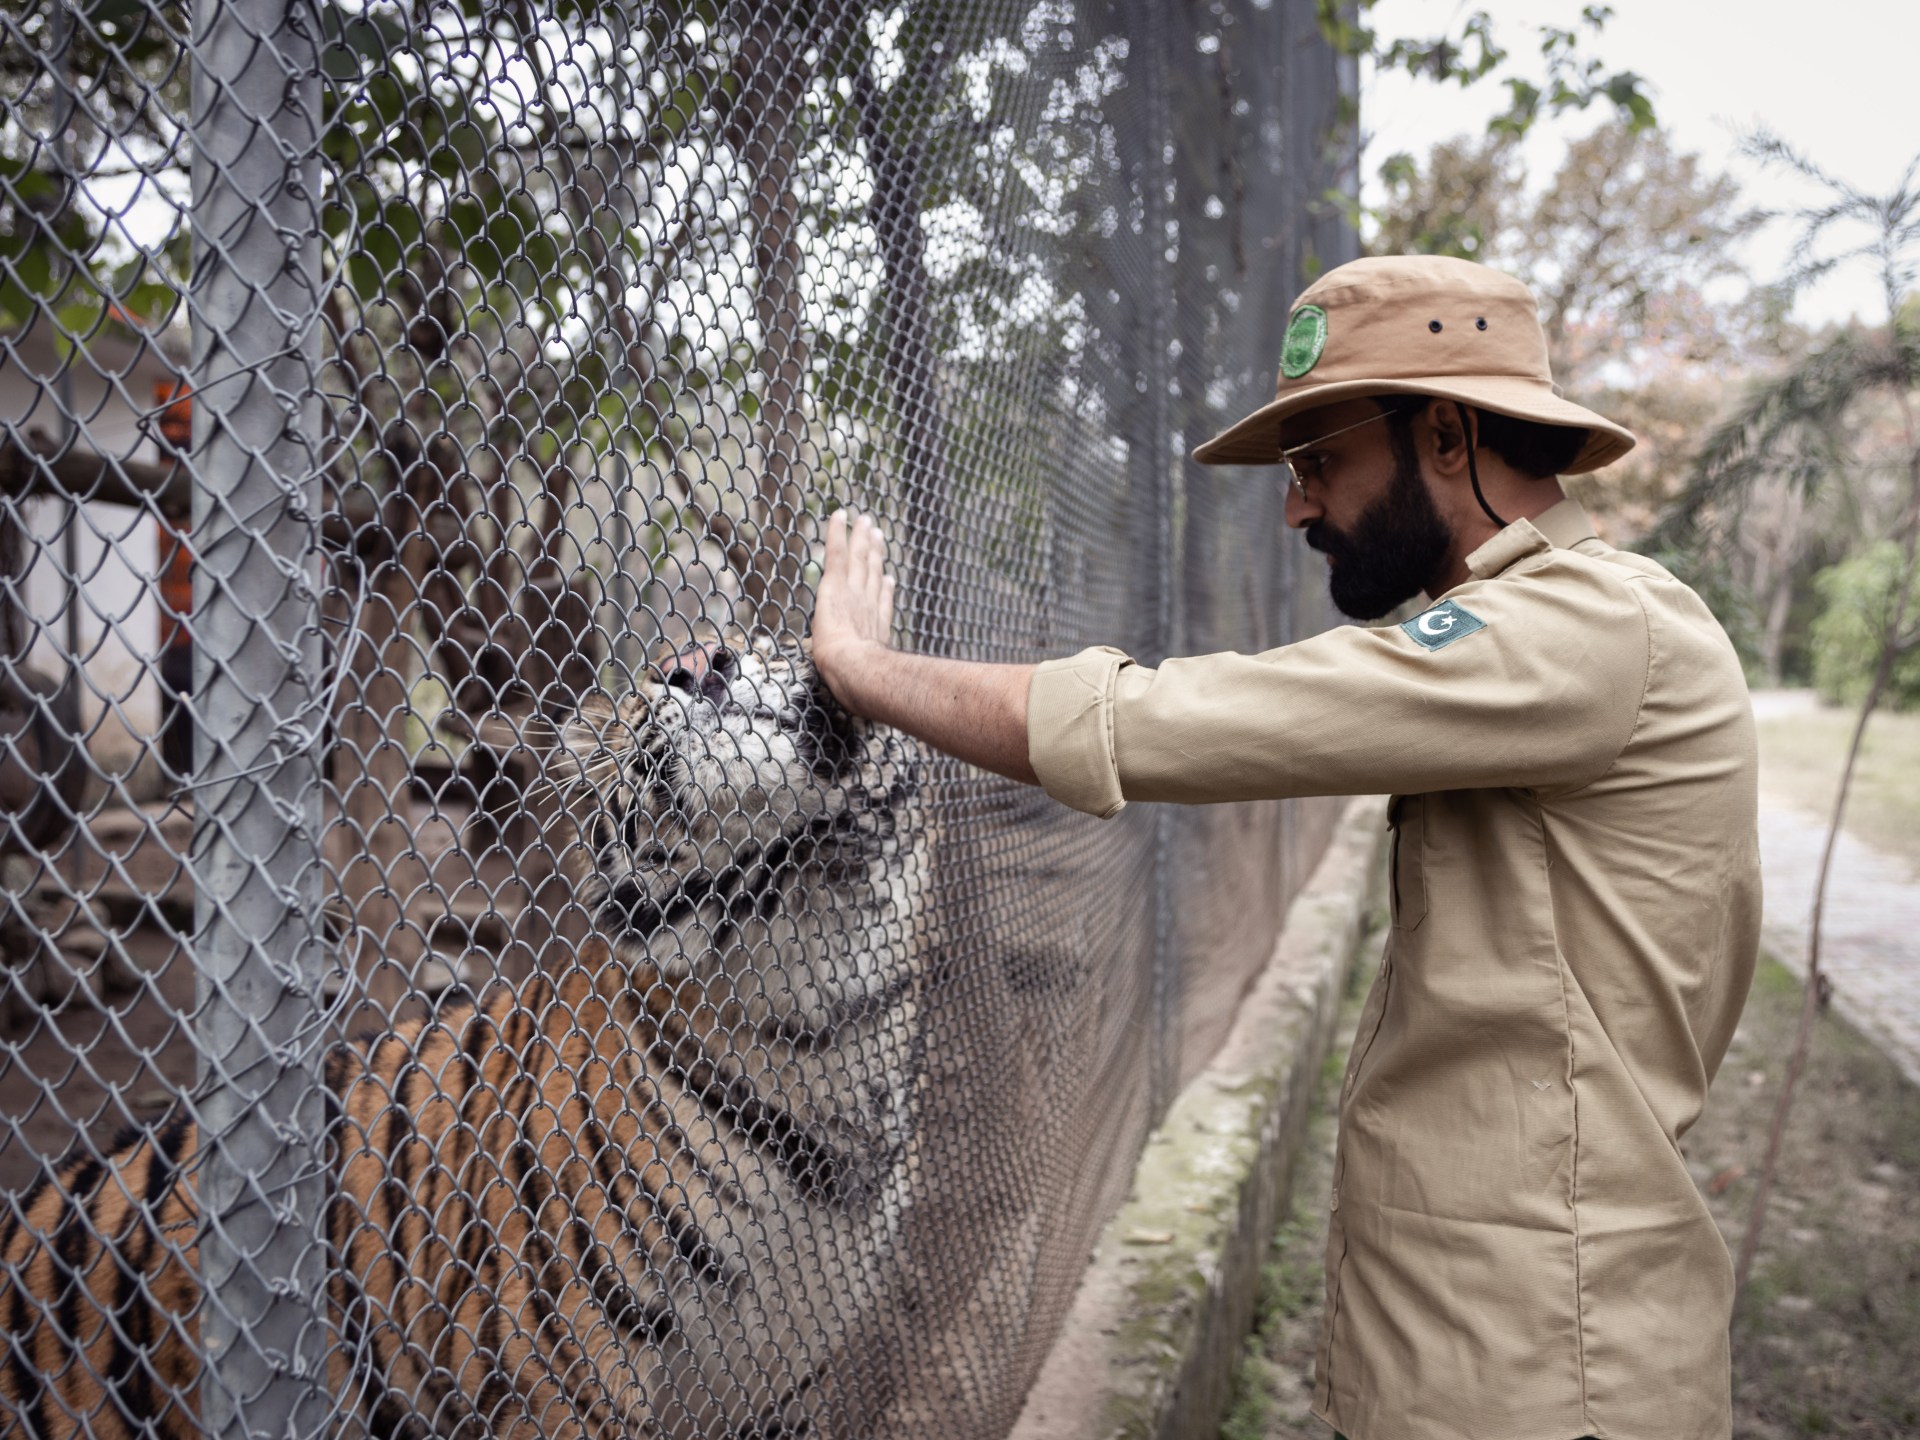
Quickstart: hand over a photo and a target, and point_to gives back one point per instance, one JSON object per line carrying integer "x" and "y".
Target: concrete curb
{"x": 1148, "y": 1350}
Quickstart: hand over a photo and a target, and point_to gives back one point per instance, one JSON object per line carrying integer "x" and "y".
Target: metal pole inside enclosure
{"x": 255, "y": 302}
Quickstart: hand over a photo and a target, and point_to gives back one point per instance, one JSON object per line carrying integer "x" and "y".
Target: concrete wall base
{"x": 1149, "y": 1348}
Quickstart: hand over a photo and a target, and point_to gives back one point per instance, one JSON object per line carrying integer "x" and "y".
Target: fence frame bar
{"x": 255, "y": 303}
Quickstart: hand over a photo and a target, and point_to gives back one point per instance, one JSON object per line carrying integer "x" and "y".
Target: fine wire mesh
{"x": 461, "y": 975}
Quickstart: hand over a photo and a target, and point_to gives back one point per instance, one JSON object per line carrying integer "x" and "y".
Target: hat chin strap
{"x": 1473, "y": 470}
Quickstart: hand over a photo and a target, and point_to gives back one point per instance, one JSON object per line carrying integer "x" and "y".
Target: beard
{"x": 1392, "y": 552}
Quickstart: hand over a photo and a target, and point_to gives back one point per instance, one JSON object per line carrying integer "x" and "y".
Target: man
{"x": 1516, "y": 1250}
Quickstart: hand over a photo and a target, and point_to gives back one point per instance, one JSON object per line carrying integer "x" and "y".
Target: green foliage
{"x": 1859, "y": 597}
{"x": 1460, "y": 202}
{"x": 1250, "y": 1410}
{"x": 1567, "y": 77}
{"x": 1799, "y": 422}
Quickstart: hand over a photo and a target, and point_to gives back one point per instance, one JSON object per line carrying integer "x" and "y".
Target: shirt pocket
{"x": 1407, "y": 861}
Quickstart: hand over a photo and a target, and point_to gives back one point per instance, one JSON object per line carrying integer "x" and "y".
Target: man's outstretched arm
{"x": 976, "y": 712}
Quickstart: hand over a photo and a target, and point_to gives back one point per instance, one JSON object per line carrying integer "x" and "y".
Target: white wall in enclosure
{"x": 109, "y": 392}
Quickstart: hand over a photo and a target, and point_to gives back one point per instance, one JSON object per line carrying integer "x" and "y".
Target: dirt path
{"x": 1870, "y": 936}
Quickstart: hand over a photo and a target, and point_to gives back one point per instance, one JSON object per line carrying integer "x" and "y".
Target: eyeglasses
{"x": 1300, "y": 472}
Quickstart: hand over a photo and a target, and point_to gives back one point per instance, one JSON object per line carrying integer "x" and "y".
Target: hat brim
{"x": 1256, "y": 439}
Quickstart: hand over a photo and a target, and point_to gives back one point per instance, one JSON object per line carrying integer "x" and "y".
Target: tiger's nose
{"x": 703, "y": 670}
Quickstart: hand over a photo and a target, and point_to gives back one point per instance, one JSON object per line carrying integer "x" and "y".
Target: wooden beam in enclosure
{"x": 38, "y": 465}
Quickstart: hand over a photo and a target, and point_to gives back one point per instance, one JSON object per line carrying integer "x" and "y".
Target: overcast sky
{"x": 1837, "y": 79}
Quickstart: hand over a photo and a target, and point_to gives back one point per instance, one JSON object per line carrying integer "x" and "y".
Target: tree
{"x": 1859, "y": 595}
{"x": 1631, "y": 247}
{"x": 1566, "y": 79}
{"x": 1806, "y": 425}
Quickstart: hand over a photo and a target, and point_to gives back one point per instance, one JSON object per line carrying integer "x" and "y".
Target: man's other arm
{"x": 974, "y": 711}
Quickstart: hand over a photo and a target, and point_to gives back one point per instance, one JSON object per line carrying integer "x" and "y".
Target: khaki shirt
{"x": 1516, "y": 1250}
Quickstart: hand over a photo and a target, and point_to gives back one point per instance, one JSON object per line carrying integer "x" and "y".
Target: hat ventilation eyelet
{"x": 1434, "y": 326}
{"x": 1481, "y": 323}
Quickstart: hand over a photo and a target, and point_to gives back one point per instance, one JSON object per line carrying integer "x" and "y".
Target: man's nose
{"x": 1300, "y": 512}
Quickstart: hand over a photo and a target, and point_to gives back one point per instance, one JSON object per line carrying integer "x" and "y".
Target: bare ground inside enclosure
{"x": 1827, "y": 1333}
{"x": 96, "y": 1029}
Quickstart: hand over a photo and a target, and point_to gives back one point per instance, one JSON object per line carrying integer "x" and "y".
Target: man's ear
{"x": 1446, "y": 440}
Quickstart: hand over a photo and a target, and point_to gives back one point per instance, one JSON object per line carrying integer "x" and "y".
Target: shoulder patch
{"x": 1442, "y": 625}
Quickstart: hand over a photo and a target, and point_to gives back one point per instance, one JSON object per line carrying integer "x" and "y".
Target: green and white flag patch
{"x": 1442, "y": 625}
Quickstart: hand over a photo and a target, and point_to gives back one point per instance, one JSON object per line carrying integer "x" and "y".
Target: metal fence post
{"x": 1165, "y": 1061}
{"x": 255, "y": 299}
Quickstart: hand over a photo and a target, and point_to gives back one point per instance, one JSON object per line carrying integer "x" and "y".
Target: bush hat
{"x": 1416, "y": 325}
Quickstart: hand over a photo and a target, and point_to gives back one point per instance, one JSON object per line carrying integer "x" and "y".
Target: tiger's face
{"x": 705, "y": 793}
{"x": 744, "y": 728}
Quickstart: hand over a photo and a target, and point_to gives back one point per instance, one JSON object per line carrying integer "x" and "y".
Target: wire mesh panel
{"x": 463, "y": 974}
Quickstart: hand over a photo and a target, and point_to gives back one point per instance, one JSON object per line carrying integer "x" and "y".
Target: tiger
{"x": 649, "y": 1191}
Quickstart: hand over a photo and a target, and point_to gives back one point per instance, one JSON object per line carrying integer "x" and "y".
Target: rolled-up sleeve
{"x": 1070, "y": 730}
{"x": 1547, "y": 696}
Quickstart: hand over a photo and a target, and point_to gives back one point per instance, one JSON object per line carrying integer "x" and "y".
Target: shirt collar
{"x": 1563, "y": 527}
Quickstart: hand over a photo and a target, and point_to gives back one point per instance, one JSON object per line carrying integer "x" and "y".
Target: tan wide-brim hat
{"x": 1416, "y": 325}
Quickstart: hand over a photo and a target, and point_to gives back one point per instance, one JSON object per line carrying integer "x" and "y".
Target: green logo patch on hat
{"x": 1306, "y": 338}
{"x": 1442, "y": 625}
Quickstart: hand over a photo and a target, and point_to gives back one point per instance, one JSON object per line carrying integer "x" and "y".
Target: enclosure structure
{"x": 460, "y": 973}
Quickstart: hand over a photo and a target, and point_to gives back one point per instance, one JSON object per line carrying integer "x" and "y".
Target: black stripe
{"x": 138, "y": 1324}
{"x": 71, "y": 1240}
{"x": 600, "y": 1152}
{"x": 817, "y": 1167}
{"x": 26, "y": 1381}
{"x": 480, "y": 1041}
{"x": 494, "y": 1388}
{"x": 393, "y": 1176}
{"x": 802, "y": 1036}
{"x": 684, "y": 1230}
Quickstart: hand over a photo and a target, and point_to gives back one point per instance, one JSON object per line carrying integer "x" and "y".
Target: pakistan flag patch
{"x": 1442, "y": 625}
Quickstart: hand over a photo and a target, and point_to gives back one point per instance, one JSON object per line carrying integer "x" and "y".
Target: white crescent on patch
{"x": 1426, "y": 622}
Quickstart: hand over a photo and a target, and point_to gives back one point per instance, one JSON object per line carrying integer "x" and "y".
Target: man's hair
{"x": 1536, "y": 450}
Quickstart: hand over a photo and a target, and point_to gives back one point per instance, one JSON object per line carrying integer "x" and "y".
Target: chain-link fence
{"x": 461, "y": 977}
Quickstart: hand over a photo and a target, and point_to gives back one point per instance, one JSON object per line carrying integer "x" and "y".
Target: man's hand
{"x": 853, "y": 608}
{"x": 977, "y": 712}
